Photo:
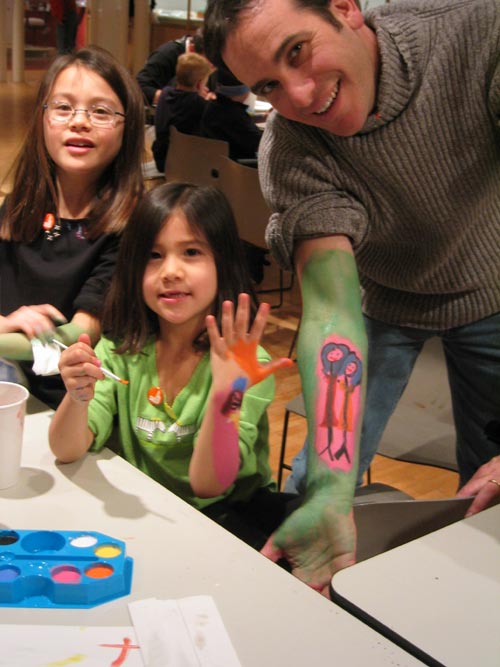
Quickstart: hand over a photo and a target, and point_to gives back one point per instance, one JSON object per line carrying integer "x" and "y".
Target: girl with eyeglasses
{"x": 193, "y": 386}
{"x": 76, "y": 181}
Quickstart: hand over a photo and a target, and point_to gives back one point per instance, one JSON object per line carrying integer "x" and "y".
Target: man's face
{"x": 309, "y": 70}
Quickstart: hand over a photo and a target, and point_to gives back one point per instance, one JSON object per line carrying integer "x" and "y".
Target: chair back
{"x": 388, "y": 524}
{"x": 241, "y": 186}
{"x": 205, "y": 161}
{"x": 194, "y": 159}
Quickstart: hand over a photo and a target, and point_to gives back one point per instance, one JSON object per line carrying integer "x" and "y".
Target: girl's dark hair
{"x": 34, "y": 190}
{"x": 127, "y": 320}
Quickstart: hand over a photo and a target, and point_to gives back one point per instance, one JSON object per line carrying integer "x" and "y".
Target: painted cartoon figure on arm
{"x": 348, "y": 407}
{"x": 332, "y": 361}
{"x": 182, "y": 325}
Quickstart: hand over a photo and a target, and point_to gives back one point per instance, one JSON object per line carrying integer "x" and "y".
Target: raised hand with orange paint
{"x": 238, "y": 343}
{"x": 235, "y": 368}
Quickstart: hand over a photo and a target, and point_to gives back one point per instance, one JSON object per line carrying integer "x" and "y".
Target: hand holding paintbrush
{"x": 77, "y": 371}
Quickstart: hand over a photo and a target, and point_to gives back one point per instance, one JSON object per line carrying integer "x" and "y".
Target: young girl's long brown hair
{"x": 127, "y": 321}
{"x": 34, "y": 189}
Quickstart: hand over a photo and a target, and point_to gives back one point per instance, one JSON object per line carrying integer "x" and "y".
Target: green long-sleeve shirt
{"x": 161, "y": 446}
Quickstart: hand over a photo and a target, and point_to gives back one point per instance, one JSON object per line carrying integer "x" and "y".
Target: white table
{"x": 440, "y": 593}
{"x": 271, "y": 617}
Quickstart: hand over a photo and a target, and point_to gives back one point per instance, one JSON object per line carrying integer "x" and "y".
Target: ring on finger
{"x": 494, "y": 481}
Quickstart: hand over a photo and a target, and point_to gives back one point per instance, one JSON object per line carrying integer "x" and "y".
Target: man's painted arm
{"x": 320, "y": 537}
{"x": 332, "y": 357}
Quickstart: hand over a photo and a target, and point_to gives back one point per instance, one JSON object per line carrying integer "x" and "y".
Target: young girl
{"x": 193, "y": 414}
{"x": 76, "y": 181}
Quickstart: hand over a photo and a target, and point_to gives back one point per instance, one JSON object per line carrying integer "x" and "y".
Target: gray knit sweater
{"x": 418, "y": 189}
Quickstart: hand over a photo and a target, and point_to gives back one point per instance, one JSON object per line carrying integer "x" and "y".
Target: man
{"x": 383, "y": 158}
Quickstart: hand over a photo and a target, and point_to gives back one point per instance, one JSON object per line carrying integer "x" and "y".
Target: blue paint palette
{"x": 73, "y": 569}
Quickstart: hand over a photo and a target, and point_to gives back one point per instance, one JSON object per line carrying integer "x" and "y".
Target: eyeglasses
{"x": 99, "y": 115}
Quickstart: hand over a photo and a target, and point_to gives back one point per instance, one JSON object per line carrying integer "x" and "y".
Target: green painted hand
{"x": 317, "y": 541}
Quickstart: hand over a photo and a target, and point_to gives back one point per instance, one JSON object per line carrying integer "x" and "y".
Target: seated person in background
{"x": 183, "y": 105}
{"x": 159, "y": 70}
{"x": 227, "y": 117}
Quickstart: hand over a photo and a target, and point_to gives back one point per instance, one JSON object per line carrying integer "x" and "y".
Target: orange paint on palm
{"x": 245, "y": 355}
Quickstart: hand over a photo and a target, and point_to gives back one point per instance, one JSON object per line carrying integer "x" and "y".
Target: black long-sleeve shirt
{"x": 159, "y": 70}
{"x": 71, "y": 273}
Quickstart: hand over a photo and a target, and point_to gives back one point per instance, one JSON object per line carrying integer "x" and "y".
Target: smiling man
{"x": 382, "y": 160}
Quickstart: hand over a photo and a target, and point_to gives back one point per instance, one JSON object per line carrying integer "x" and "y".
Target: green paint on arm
{"x": 18, "y": 346}
{"x": 331, "y": 316}
{"x": 15, "y": 346}
{"x": 69, "y": 333}
{"x": 319, "y": 538}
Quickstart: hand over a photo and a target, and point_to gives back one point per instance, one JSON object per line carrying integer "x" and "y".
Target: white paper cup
{"x": 13, "y": 399}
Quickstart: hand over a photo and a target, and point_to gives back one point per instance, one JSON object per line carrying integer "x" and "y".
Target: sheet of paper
{"x": 188, "y": 632}
{"x": 66, "y": 646}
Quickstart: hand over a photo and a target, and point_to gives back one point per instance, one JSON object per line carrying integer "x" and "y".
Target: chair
{"x": 194, "y": 159}
{"x": 295, "y": 406}
{"x": 376, "y": 502}
{"x": 384, "y": 523}
{"x": 385, "y": 517}
{"x": 241, "y": 186}
{"x": 426, "y": 405}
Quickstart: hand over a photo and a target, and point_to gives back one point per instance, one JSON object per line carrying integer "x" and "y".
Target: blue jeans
{"x": 472, "y": 354}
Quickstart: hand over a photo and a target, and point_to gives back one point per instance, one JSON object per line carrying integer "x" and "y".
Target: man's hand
{"x": 485, "y": 485}
{"x": 316, "y": 540}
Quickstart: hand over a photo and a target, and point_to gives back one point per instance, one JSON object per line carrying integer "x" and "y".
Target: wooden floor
{"x": 16, "y": 104}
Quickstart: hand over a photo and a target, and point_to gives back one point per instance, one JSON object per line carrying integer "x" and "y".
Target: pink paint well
{"x": 66, "y": 574}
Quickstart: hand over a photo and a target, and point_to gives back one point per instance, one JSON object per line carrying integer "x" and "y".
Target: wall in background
{"x": 196, "y": 5}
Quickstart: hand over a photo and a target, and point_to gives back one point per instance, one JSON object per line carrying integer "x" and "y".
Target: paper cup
{"x": 13, "y": 399}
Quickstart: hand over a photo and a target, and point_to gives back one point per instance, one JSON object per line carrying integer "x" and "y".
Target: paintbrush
{"x": 107, "y": 373}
